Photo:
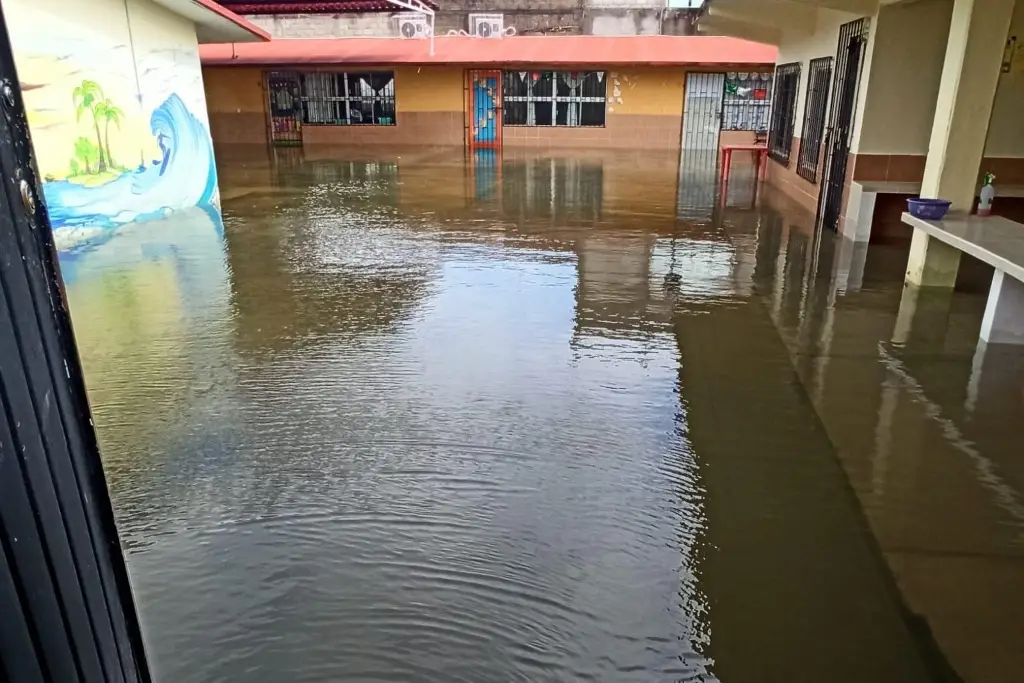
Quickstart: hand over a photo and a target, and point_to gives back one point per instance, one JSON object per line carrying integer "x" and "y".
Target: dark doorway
{"x": 849, "y": 59}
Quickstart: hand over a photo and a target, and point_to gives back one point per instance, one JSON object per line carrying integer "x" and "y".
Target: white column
{"x": 970, "y": 75}
{"x": 1004, "y": 314}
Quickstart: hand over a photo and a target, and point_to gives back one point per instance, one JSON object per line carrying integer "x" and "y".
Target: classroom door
{"x": 702, "y": 113}
{"x": 484, "y": 109}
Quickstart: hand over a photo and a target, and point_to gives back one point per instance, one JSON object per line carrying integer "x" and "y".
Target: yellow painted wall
{"x": 646, "y": 91}
{"x": 234, "y": 90}
{"x": 429, "y": 88}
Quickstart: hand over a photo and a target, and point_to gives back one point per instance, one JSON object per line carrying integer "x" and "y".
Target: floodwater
{"x": 406, "y": 416}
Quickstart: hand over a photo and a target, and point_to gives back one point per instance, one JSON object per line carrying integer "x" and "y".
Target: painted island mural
{"x": 116, "y": 110}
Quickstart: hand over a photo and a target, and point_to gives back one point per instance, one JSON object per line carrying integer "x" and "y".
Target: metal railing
{"x": 780, "y": 139}
{"x": 818, "y": 77}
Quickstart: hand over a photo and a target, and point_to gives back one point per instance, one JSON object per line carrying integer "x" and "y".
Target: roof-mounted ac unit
{"x": 412, "y": 25}
{"x": 487, "y": 25}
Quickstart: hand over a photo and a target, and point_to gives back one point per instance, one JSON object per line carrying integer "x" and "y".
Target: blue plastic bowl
{"x": 928, "y": 209}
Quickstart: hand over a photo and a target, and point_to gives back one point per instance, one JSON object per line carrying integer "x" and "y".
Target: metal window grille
{"x": 553, "y": 98}
{"x": 818, "y": 77}
{"x": 747, "y": 101}
{"x": 780, "y": 139}
{"x": 347, "y": 98}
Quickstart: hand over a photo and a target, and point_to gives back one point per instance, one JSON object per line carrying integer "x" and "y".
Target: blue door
{"x": 485, "y": 109}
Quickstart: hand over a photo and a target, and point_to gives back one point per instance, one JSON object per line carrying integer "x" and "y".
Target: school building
{"x": 576, "y": 92}
{"x": 880, "y": 100}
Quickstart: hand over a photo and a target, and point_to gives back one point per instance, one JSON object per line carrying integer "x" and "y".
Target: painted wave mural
{"x": 183, "y": 174}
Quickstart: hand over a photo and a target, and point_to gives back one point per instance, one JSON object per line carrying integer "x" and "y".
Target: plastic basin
{"x": 928, "y": 209}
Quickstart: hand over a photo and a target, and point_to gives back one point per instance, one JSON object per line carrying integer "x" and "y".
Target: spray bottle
{"x": 988, "y": 194}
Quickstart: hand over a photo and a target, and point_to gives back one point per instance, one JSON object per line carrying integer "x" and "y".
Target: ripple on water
{"x": 396, "y": 449}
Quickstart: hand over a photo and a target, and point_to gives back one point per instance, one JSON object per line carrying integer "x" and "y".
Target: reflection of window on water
{"x": 344, "y": 98}
{"x": 374, "y": 180}
{"x": 748, "y": 98}
{"x": 553, "y": 98}
{"x": 553, "y": 188}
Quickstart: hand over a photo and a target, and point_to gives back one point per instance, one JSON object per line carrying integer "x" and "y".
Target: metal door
{"x": 838, "y": 137}
{"x": 484, "y": 109}
{"x": 702, "y": 113}
{"x": 284, "y": 93}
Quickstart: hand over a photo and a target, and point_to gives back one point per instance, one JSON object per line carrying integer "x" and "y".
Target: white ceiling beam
{"x": 787, "y": 16}
{"x": 861, "y": 7}
{"x": 741, "y": 29}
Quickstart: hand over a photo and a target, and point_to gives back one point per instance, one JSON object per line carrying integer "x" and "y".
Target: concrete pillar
{"x": 1004, "y": 314}
{"x": 970, "y": 75}
{"x": 923, "y": 318}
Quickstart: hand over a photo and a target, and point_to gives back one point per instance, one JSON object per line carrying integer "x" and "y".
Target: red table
{"x": 760, "y": 153}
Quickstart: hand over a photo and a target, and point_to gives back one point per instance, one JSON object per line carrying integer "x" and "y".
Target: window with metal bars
{"x": 747, "y": 100}
{"x": 819, "y": 75}
{"x": 553, "y": 98}
{"x": 780, "y": 137}
{"x": 341, "y": 98}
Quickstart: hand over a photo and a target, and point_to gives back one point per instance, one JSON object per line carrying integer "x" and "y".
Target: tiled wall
{"x": 621, "y": 131}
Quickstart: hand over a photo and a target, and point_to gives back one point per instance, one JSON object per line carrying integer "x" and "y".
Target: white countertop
{"x": 995, "y": 240}
{"x": 893, "y": 187}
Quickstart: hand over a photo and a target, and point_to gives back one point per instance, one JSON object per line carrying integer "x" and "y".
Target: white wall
{"x": 822, "y": 43}
{"x": 1006, "y": 127}
{"x": 900, "y": 82}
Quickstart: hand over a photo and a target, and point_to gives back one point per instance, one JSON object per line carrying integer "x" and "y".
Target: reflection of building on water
{"x": 631, "y": 283}
{"x": 351, "y": 268}
{"x": 555, "y": 188}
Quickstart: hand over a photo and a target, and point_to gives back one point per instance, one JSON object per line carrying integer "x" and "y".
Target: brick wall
{"x": 364, "y": 25}
{"x": 527, "y": 17}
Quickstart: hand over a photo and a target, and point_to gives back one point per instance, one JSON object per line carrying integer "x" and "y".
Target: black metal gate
{"x": 849, "y": 59}
{"x": 284, "y": 90}
{"x": 702, "y": 112}
{"x": 818, "y": 78}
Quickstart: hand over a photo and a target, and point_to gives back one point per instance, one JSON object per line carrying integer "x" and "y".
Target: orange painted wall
{"x": 236, "y": 104}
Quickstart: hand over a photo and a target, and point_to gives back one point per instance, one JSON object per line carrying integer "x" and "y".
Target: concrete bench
{"x": 860, "y": 207}
{"x": 998, "y": 242}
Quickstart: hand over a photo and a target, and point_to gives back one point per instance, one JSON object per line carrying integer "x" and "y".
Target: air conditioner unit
{"x": 487, "y": 25}
{"x": 412, "y": 25}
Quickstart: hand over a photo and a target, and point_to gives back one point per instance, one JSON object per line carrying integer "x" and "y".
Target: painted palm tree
{"x": 86, "y": 152}
{"x": 108, "y": 112}
{"x": 86, "y": 97}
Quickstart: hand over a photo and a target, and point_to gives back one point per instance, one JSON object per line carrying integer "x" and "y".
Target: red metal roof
{"x": 525, "y": 50}
{"x": 312, "y": 7}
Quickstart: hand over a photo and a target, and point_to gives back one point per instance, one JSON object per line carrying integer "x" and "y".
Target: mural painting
{"x": 117, "y": 112}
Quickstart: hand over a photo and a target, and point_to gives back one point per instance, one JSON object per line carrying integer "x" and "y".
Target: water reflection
{"x": 418, "y": 416}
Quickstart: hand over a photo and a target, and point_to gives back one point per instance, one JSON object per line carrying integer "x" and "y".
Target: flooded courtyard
{"x": 412, "y": 416}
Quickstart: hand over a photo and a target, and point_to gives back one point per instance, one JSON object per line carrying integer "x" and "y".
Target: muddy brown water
{"x": 408, "y": 416}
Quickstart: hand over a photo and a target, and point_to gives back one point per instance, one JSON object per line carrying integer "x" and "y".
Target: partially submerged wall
{"x": 116, "y": 109}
